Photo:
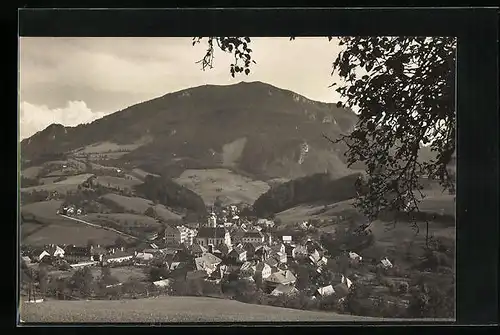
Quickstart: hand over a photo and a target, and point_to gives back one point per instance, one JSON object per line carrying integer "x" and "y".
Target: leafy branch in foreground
{"x": 403, "y": 89}
{"x": 235, "y": 45}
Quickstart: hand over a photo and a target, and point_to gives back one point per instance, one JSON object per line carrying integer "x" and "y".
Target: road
{"x": 101, "y": 227}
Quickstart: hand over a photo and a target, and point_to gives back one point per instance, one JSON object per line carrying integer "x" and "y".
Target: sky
{"x": 77, "y": 80}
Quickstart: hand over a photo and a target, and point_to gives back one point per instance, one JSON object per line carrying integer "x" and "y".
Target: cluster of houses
{"x": 226, "y": 247}
{"x": 70, "y": 210}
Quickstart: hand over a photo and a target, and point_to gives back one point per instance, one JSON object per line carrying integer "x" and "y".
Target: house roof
{"x": 385, "y": 262}
{"x": 253, "y": 234}
{"x": 196, "y": 248}
{"x": 272, "y": 261}
{"x": 246, "y": 266}
{"x": 282, "y": 277}
{"x": 206, "y": 259}
{"x": 118, "y": 254}
{"x": 211, "y": 232}
{"x": 77, "y": 251}
{"x": 238, "y": 249}
{"x": 353, "y": 255}
{"x": 325, "y": 290}
{"x": 284, "y": 289}
{"x": 260, "y": 266}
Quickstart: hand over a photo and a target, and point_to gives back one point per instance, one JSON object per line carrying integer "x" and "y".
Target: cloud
{"x": 34, "y": 118}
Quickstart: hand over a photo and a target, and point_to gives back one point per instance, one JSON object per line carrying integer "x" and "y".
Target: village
{"x": 227, "y": 250}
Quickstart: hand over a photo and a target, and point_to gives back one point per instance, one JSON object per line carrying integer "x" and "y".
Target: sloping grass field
{"x": 124, "y": 219}
{"x": 70, "y": 233}
{"x": 117, "y": 182}
{"x": 69, "y": 184}
{"x": 140, "y": 205}
{"x": 172, "y": 309}
{"x": 232, "y": 187}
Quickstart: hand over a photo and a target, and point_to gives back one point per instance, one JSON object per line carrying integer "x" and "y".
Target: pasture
{"x": 69, "y": 184}
{"x": 141, "y": 174}
{"x": 31, "y": 172}
{"x": 117, "y": 182}
{"x": 70, "y": 233}
{"x": 170, "y": 309}
{"x": 123, "y": 219}
{"x": 140, "y": 205}
{"x": 211, "y": 183}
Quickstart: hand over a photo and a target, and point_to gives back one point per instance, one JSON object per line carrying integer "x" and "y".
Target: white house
{"x": 145, "y": 256}
{"x": 118, "y": 257}
{"x": 263, "y": 270}
{"x": 42, "y": 255}
{"x": 354, "y": 256}
{"x": 324, "y": 291}
{"x": 253, "y": 237}
{"x": 162, "y": 283}
{"x": 83, "y": 264}
{"x": 346, "y": 281}
{"x": 284, "y": 290}
{"x": 386, "y": 263}
{"x": 207, "y": 263}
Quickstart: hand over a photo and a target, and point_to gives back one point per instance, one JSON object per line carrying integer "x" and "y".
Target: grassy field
{"x": 70, "y": 233}
{"x": 210, "y": 183}
{"x": 116, "y": 182}
{"x": 172, "y": 309}
{"x": 315, "y": 211}
{"x": 124, "y": 219}
{"x": 141, "y": 174}
{"x": 45, "y": 210}
{"x": 69, "y": 184}
{"x": 140, "y": 205}
{"x": 106, "y": 147}
{"x": 31, "y": 172}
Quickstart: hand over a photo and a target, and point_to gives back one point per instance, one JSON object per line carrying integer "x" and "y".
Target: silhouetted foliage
{"x": 151, "y": 212}
{"x": 404, "y": 90}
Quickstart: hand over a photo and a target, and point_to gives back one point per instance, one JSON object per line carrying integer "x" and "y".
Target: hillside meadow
{"x": 173, "y": 309}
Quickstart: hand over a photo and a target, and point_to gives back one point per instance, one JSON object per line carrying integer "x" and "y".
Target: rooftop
{"x": 210, "y": 232}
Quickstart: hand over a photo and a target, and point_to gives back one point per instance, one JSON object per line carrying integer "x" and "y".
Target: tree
{"x": 120, "y": 242}
{"x": 43, "y": 278}
{"x": 403, "y": 88}
{"x": 82, "y": 281}
{"x": 151, "y": 212}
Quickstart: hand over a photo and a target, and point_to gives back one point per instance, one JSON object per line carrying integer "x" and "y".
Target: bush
{"x": 151, "y": 212}
{"x": 432, "y": 301}
{"x": 82, "y": 282}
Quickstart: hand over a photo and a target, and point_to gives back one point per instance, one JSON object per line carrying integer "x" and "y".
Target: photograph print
{"x": 236, "y": 179}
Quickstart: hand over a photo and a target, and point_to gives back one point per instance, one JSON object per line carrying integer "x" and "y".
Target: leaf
{"x": 247, "y": 39}
{"x": 339, "y": 104}
{"x": 247, "y": 71}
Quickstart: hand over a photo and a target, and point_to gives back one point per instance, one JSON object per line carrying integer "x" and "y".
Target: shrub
{"x": 432, "y": 301}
